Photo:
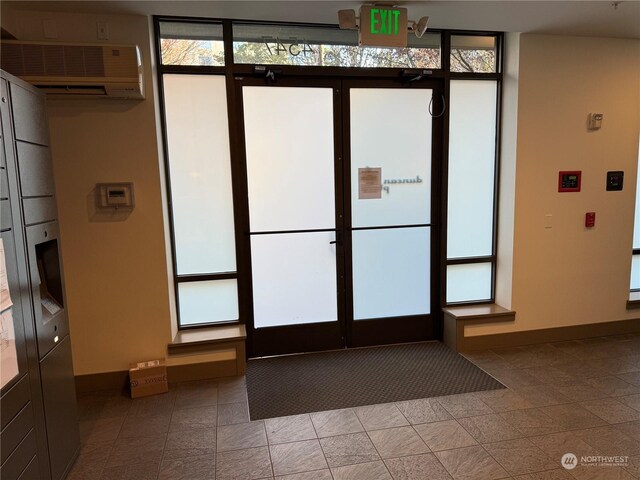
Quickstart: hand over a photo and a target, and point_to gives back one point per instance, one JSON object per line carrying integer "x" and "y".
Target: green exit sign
{"x": 383, "y": 26}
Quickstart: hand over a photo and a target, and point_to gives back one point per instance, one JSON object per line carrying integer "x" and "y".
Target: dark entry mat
{"x": 313, "y": 382}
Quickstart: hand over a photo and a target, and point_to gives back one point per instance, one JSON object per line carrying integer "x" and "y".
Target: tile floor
{"x": 581, "y": 397}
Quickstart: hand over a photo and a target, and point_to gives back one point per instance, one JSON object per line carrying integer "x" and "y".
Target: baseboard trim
{"x": 201, "y": 371}
{"x": 175, "y": 373}
{"x": 102, "y": 381}
{"x": 546, "y": 335}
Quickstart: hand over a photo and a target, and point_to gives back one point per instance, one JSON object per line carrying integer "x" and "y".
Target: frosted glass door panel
{"x": 635, "y": 272}
{"x": 636, "y": 224}
{"x": 208, "y": 302}
{"x": 472, "y": 153}
{"x": 468, "y": 282}
{"x": 391, "y": 130}
{"x": 290, "y": 157}
{"x": 294, "y": 279}
{"x": 391, "y": 272}
{"x": 200, "y": 167}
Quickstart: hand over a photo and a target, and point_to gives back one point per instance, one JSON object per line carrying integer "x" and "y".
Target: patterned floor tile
{"x": 362, "y": 471}
{"x": 417, "y": 467}
{"x": 531, "y": 422}
{"x": 144, "y": 426}
{"x": 375, "y": 417}
{"x": 465, "y": 405}
{"x": 190, "y": 468}
{"x": 196, "y": 394}
{"x": 190, "y": 443}
{"x": 232, "y": 413}
{"x": 489, "y": 428}
{"x": 613, "y": 386}
{"x": 611, "y": 410}
{"x": 290, "y": 429}
{"x": 349, "y": 449}
{"x": 471, "y": 463}
{"x": 336, "y": 422}
{"x": 520, "y": 456}
{"x": 249, "y": 464}
{"x": 398, "y": 442}
{"x": 296, "y": 457}
{"x": 315, "y": 475}
{"x": 423, "y": 411}
{"x": 130, "y": 451}
{"x": 572, "y": 416}
{"x": 444, "y": 435}
{"x": 241, "y": 436}
{"x": 503, "y": 400}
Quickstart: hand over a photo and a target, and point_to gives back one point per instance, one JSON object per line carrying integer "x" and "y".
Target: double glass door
{"x": 340, "y": 236}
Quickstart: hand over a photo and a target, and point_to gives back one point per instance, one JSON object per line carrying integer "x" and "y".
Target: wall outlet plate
{"x": 595, "y": 121}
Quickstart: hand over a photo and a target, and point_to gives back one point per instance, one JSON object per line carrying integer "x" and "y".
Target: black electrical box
{"x": 614, "y": 181}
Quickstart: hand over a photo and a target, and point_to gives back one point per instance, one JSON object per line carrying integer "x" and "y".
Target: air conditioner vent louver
{"x": 72, "y": 69}
{"x": 12, "y": 60}
{"x": 33, "y": 60}
{"x": 53, "y": 60}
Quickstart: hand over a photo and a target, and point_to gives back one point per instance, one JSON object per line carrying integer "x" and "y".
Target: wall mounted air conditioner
{"x": 87, "y": 69}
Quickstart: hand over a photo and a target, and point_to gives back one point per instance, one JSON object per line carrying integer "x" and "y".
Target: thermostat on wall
{"x": 115, "y": 195}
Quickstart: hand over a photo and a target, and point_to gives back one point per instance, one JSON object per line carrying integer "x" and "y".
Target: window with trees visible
{"x": 183, "y": 43}
{"x": 327, "y": 47}
{"x": 473, "y": 53}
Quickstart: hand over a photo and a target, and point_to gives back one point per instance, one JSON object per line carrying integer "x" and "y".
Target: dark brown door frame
{"x": 305, "y": 337}
{"x": 345, "y": 332}
{"x": 409, "y": 328}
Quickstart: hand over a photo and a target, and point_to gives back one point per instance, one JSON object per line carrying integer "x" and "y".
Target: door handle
{"x": 338, "y": 240}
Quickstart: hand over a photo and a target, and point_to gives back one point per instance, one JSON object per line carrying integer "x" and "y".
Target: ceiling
{"x": 589, "y": 18}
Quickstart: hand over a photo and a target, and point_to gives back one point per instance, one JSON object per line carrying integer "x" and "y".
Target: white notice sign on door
{"x": 369, "y": 183}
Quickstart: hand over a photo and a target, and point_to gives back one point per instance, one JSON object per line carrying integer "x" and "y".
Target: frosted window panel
{"x": 635, "y": 272}
{"x": 636, "y": 225}
{"x": 199, "y": 163}
{"x": 294, "y": 279}
{"x": 208, "y": 302}
{"x": 391, "y": 272}
{"x": 468, "y": 282}
{"x": 472, "y": 146}
{"x": 391, "y": 129}
{"x": 290, "y": 157}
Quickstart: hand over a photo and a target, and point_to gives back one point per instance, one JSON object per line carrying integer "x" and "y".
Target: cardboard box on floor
{"x": 148, "y": 378}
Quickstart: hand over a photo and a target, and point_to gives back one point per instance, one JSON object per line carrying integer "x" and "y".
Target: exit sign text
{"x": 383, "y": 26}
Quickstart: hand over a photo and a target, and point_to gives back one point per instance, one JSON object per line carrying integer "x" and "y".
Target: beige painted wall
{"x": 567, "y": 274}
{"x": 115, "y": 265}
{"x": 507, "y": 184}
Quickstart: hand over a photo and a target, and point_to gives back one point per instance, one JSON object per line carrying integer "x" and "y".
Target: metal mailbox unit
{"x": 40, "y": 436}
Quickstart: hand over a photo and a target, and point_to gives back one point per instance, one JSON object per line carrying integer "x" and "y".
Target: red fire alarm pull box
{"x": 569, "y": 181}
{"x": 590, "y": 219}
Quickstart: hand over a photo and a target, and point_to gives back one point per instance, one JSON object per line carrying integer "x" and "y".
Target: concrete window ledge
{"x": 634, "y": 301}
{"x": 189, "y": 345}
{"x": 455, "y": 319}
